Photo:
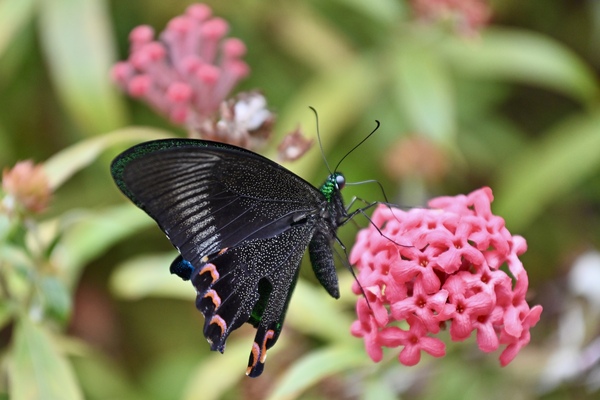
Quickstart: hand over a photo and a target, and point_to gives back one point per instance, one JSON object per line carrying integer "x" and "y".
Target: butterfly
{"x": 241, "y": 224}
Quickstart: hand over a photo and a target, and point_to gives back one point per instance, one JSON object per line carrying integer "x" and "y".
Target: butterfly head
{"x": 334, "y": 183}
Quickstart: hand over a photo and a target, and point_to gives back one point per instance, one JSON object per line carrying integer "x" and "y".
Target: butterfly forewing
{"x": 241, "y": 224}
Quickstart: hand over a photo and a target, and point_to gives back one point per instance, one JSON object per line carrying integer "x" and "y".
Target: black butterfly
{"x": 241, "y": 223}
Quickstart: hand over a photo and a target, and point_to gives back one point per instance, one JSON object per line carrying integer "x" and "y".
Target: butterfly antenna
{"x": 319, "y": 139}
{"x": 359, "y": 143}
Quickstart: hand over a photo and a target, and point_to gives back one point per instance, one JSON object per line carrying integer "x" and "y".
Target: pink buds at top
{"x": 189, "y": 72}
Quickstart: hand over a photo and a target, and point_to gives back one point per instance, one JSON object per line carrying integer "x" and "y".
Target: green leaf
{"x": 340, "y": 94}
{"x": 219, "y": 373}
{"x": 38, "y": 370}
{"x": 547, "y": 170}
{"x": 313, "y": 312}
{"x": 13, "y": 15}
{"x": 6, "y": 313}
{"x": 424, "y": 91}
{"x": 5, "y": 227}
{"x": 61, "y": 166}
{"x": 149, "y": 275}
{"x": 17, "y": 269}
{"x": 315, "y": 367}
{"x": 56, "y": 298}
{"x": 377, "y": 388}
{"x": 93, "y": 233}
{"x": 77, "y": 39}
{"x": 102, "y": 377}
{"x": 524, "y": 57}
{"x": 382, "y": 11}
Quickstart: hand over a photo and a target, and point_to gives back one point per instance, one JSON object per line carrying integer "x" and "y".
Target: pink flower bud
{"x": 179, "y": 92}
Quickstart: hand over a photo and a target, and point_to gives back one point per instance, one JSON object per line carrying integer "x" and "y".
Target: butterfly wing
{"x": 240, "y": 222}
{"x": 250, "y": 283}
{"x": 207, "y": 196}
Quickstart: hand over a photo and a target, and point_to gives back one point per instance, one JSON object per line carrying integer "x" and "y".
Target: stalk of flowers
{"x": 455, "y": 263}
{"x": 188, "y": 74}
{"x": 189, "y": 71}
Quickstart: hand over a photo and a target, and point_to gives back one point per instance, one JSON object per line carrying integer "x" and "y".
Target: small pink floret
{"x": 180, "y": 25}
{"x": 178, "y": 115}
{"x": 200, "y": 12}
{"x": 139, "y": 85}
{"x": 234, "y": 48}
{"x": 141, "y": 35}
{"x": 121, "y": 72}
{"x": 215, "y": 28}
{"x": 239, "y": 69}
{"x": 179, "y": 92}
{"x": 155, "y": 51}
{"x": 208, "y": 74}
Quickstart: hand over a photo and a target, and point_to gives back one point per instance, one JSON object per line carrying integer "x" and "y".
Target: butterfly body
{"x": 241, "y": 224}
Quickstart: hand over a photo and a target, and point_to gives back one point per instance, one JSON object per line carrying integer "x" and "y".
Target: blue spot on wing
{"x": 182, "y": 268}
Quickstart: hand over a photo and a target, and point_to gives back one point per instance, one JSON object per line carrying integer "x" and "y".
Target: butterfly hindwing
{"x": 241, "y": 224}
{"x": 231, "y": 282}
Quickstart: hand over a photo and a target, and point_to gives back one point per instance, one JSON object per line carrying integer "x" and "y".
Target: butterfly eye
{"x": 340, "y": 181}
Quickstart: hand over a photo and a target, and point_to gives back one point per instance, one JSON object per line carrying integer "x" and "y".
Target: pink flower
{"x": 27, "y": 188}
{"x": 414, "y": 340}
{"x": 440, "y": 266}
{"x": 467, "y": 16}
{"x": 189, "y": 71}
{"x": 188, "y": 74}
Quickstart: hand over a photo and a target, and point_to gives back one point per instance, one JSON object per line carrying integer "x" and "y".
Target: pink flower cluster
{"x": 189, "y": 71}
{"x": 454, "y": 263}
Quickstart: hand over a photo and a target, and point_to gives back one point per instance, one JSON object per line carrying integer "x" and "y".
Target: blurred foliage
{"x": 514, "y": 107}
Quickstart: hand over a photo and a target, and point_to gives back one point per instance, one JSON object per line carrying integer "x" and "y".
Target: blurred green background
{"x": 513, "y": 106}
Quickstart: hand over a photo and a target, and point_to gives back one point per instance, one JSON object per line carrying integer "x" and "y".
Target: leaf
{"x": 56, "y": 298}
{"x": 149, "y": 275}
{"x": 5, "y": 227}
{"x": 103, "y": 377}
{"x": 219, "y": 373}
{"x": 93, "y": 233}
{"x": 77, "y": 38}
{"x": 526, "y": 57}
{"x": 424, "y": 91}
{"x": 313, "y": 312}
{"x": 37, "y": 369}
{"x": 61, "y": 166}
{"x": 341, "y": 95}
{"x": 315, "y": 367}
{"x": 16, "y": 269}
{"x": 378, "y": 389}
{"x": 547, "y": 170}
{"x": 13, "y": 15}
{"x": 383, "y": 11}
{"x": 300, "y": 27}
{"x": 6, "y": 313}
